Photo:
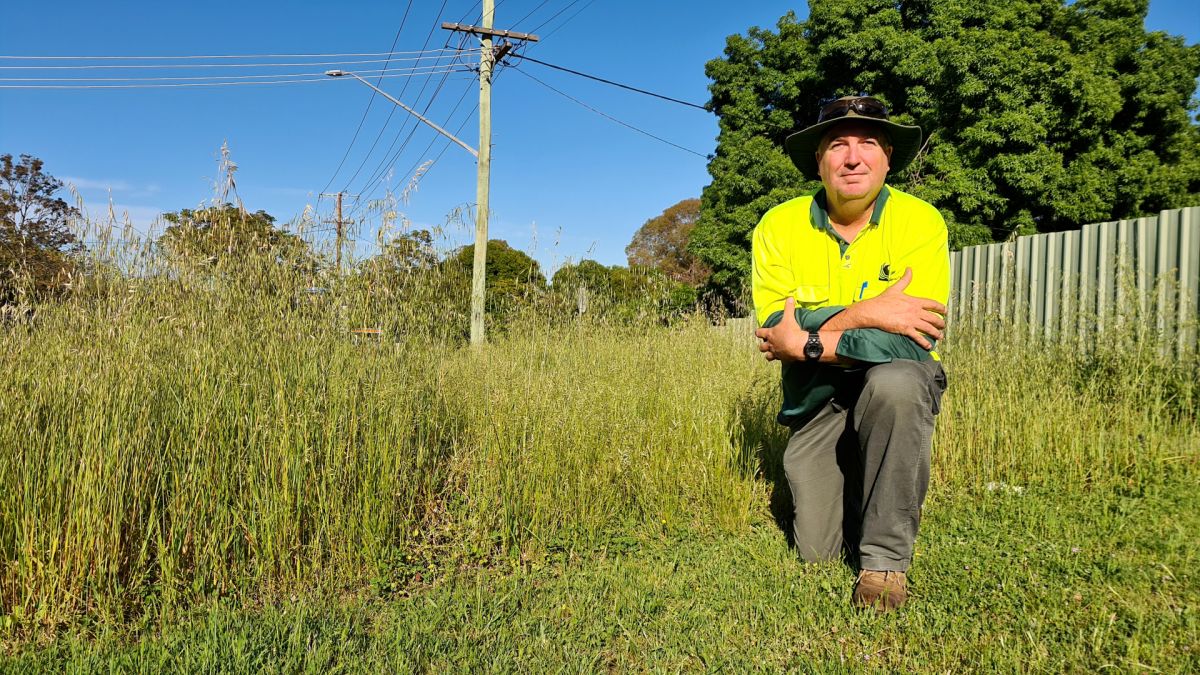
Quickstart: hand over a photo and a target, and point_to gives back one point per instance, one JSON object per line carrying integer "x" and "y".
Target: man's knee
{"x": 899, "y": 384}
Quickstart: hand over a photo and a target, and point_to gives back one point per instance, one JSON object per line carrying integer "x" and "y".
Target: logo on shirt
{"x": 885, "y": 272}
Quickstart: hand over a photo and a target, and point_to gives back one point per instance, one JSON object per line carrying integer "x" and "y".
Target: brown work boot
{"x": 884, "y": 591}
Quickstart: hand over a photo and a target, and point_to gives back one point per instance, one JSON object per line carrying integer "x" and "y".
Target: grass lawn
{"x": 1014, "y": 578}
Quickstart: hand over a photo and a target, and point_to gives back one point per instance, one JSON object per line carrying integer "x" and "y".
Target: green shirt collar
{"x": 819, "y": 211}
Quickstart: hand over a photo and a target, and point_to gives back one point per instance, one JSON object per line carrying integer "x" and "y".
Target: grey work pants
{"x": 859, "y": 469}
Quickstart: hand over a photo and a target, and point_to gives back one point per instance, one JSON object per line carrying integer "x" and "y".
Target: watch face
{"x": 813, "y": 348}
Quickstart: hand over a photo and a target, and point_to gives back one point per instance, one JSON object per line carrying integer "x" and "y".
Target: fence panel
{"x": 1189, "y": 274}
{"x": 1104, "y": 276}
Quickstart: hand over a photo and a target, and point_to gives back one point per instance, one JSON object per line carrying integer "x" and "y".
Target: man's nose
{"x": 853, "y": 156}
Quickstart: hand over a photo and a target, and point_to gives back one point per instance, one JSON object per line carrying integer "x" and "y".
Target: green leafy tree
{"x": 511, "y": 276}
{"x": 662, "y": 243}
{"x": 411, "y": 252}
{"x": 649, "y": 292}
{"x": 587, "y": 277}
{"x": 405, "y": 256}
{"x": 622, "y": 293}
{"x": 405, "y": 270}
{"x": 228, "y": 237}
{"x": 591, "y": 288}
{"x": 38, "y": 253}
{"x": 1040, "y": 115}
{"x": 405, "y": 290}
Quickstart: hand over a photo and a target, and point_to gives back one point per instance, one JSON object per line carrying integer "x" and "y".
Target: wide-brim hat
{"x": 802, "y": 145}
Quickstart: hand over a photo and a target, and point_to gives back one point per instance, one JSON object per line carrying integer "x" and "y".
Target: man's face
{"x": 853, "y": 160}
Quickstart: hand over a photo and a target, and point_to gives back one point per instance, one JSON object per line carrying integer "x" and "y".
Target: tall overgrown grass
{"x": 169, "y": 435}
{"x": 1038, "y": 412}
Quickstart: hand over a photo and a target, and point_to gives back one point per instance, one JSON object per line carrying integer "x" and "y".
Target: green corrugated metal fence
{"x": 1123, "y": 275}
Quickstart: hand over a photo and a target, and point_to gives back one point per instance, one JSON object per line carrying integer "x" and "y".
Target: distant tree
{"x": 511, "y": 276}
{"x": 410, "y": 252}
{"x": 585, "y": 284}
{"x": 37, "y": 251}
{"x": 637, "y": 293}
{"x": 650, "y": 291}
{"x": 588, "y": 274}
{"x": 405, "y": 290}
{"x": 402, "y": 262}
{"x": 1041, "y": 115}
{"x": 661, "y": 243}
{"x": 225, "y": 236}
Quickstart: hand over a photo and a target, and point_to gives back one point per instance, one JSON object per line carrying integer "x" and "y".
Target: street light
{"x": 483, "y": 165}
{"x": 414, "y": 113}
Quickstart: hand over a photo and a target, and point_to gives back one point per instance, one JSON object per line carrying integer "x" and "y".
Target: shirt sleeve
{"x": 772, "y": 281}
{"x": 871, "y": 345}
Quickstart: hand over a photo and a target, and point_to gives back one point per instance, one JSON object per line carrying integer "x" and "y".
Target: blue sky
{"x": 566, "y": 182}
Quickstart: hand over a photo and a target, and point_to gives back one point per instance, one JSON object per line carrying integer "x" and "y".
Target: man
{"x": 849, "y": 290}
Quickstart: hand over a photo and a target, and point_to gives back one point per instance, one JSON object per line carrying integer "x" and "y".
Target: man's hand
{"x": 784, "y": 341}
{"x": 896, "y": 312}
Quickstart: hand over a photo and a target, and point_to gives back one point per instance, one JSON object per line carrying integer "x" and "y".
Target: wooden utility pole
{"x": 487, "y": 60}
{"x": 340, "y": 226}
{"x": 483, "y": 178}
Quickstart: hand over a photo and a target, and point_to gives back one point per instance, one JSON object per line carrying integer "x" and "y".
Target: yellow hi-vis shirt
{"x": 797, "y": 253}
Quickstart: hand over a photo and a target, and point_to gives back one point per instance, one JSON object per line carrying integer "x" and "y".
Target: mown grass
{"x": 1040, "y": 581}
{"x": 208, "y": 475}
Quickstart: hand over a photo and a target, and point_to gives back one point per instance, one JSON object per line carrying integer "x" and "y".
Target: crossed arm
{"x": 893, "y": 311}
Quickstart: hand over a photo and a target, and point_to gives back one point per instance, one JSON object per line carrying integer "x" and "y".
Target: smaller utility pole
{"x": 340, "y": 225}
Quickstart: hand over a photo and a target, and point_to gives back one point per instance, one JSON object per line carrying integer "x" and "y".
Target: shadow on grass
{"x": 760, "y": 441}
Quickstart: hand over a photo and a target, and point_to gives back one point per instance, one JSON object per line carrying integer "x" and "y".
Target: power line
{"x": 453, "y": 53}
{"x": 615, "y": 84}
{"x": 392, "y": 112}
{"x": 210, "y": 84}
{"x": 450, "y": 36}
{"x": 390, "y": 157}
{"x": 556, "y": 15}
{"x": 354, "y": 138}
{"x": 493, "y": 12}
{"x": 568, "y": 19}
{"x": 421, "y": 70}
{"x": 412, "y": 169}
{"x": 218, "y": 56}
{"x": 372, "y": 186}
{"x": 445, "y": 146}
{"x": 531, "y": 13}
{"x": 364, "y": 204}
{"x": 475, "y": 6}
{"x": 610, "y": 117}
{"x": 383, "y": 163}
{"x": 723, "y": 113}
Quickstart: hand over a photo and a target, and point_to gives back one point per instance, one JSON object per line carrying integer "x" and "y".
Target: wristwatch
{"x": 813, "y": 349}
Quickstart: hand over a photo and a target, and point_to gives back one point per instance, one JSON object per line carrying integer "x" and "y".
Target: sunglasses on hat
{"x": 866, "y": 106}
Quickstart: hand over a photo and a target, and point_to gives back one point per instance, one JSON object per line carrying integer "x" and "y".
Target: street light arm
{"x": 414, "y": 113}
